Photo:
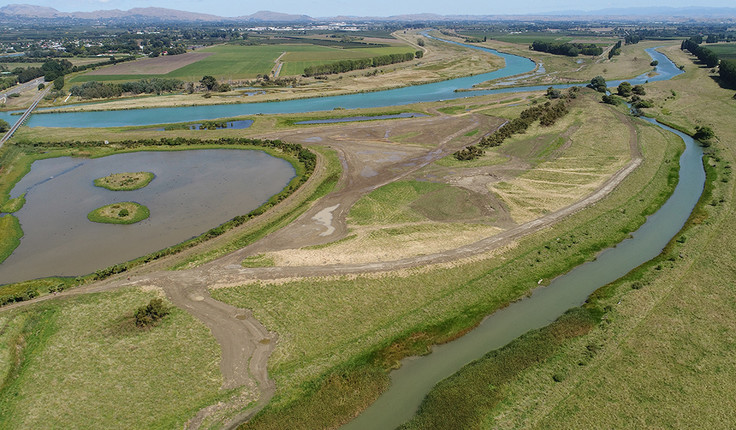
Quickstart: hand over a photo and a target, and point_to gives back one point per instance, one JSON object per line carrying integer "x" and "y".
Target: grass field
{"x": 724, "y": 50}
{"x": 65, "y": 365}
{"x": 572, "y": 159}
{"x": 661, "y": 357}
{"x": 525, "y": 37}
{"x": 422, "y": 306}
{"x": 232, "y": 62}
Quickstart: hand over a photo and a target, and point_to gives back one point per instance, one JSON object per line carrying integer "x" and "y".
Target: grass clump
{"x": 125, "y": 181}
{"x": 119, "y": 213}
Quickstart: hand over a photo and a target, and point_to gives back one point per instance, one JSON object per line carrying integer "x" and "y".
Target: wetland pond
{"x": 194, "y": 190}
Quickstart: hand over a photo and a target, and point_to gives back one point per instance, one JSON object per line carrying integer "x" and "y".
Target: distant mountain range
{"x": 22, "y": 12}
{"x": 26, "y": 11}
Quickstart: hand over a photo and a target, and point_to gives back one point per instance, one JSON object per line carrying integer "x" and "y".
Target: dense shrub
{"x": 146, "y": 316}
{"x": 359, "y": 64}
{"x": 101, "y": 90}
{"x": 547, "y": 114}
{"x": 568, "y": 49}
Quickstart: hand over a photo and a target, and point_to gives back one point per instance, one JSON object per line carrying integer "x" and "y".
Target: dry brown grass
{"x": 593, "y": 152}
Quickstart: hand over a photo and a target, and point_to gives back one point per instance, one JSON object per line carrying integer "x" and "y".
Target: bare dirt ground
{"x": 152, "y": 66}
{"x": 370, "y": 159}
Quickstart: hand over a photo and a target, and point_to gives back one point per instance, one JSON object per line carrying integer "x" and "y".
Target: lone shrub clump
{"x": 146, "y": 316}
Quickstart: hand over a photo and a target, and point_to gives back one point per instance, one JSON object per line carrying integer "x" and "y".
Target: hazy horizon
{"x": 376, "y": 8}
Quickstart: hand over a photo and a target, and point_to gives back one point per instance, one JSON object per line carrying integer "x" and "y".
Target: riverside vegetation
{"x": 119, "y": 213}
{"x": 127, "y": 181}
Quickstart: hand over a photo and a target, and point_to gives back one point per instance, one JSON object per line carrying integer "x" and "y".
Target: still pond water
{"x": 193, "y": 191}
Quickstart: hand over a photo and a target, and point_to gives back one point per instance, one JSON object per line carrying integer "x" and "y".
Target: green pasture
{"x": 247, "y": 62}
{"x": 723, "y": 50}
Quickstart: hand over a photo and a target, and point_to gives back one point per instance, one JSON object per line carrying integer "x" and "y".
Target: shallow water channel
{"x": 418, "y": 375}
{"x": 193, "y": 191}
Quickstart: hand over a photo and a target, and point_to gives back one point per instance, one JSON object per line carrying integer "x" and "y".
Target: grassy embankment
{"x": 662, "y": 354}
{"x": 82, "y": 363}
{"x": 120, "y": 213}
{"x": 326, "y": 371}
{"x": 125, "y": 181}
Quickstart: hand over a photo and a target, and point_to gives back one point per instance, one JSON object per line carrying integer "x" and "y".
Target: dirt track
{"x": 370, "y": 160}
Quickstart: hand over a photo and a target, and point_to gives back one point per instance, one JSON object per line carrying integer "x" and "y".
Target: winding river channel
{"x": 444, "y": 90}
{"x": 418, "y": 375}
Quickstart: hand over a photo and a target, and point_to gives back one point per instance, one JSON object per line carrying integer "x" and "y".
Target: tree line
{"x": 52, "y": 69}
{"x": 360, "y": 63}
{"x": 703, "y": 54}
{"x": 616, "y": 50}
{"x": 547, "y": 114}
{"x": 101, "y": 90}
{"x": 568, "y": 49}
{"x": 726, "y": 67}
{"x": 727, "y": 71}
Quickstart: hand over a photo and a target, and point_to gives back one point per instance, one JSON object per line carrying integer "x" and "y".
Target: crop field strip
{"x": 234, "y": 62}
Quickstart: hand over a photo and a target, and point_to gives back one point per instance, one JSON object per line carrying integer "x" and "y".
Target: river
{"x": 444, "y": 90}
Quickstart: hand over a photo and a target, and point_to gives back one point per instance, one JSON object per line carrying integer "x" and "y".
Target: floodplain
{"x": 387, "y": 249}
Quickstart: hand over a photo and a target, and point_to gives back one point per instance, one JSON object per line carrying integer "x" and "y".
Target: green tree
{"x": 4, "y": 126}
{"x": 41, "y": 86}
{"x": 599, "y": 84}
{"x": 209, "y": 82}
{"x": 704, "y": 133}
{"x": 639, "y": 90}
{"x": 611, "y": 100}
{"x": 59, "y": 83}
{"x": 624, "y": 89}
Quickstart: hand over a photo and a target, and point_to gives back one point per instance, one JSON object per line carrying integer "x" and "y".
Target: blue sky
{"x": 362, "y": 8}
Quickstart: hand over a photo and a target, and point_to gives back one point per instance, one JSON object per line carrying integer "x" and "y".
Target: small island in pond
{"x": 119, "y": 213}
{"x": 127, "y": 181}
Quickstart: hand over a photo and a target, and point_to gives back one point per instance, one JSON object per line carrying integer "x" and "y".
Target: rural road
{"x": 246, "y": 344}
